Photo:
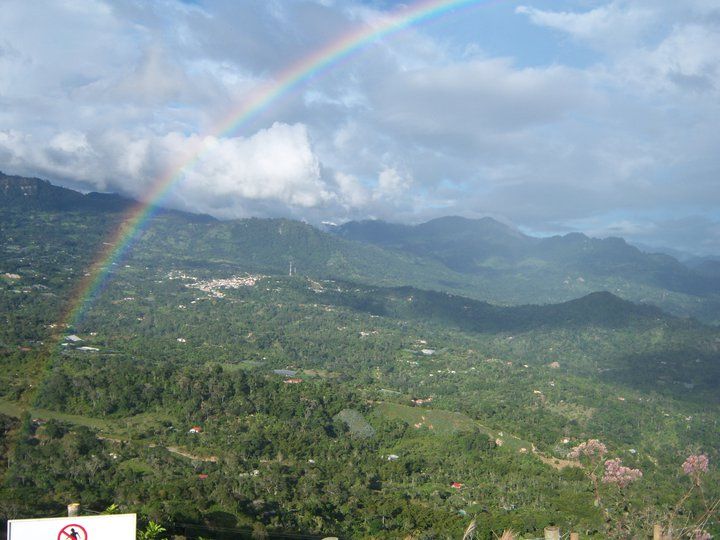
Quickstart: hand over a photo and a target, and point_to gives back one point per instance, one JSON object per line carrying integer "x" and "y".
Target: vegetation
{"x": 329, "y": 406}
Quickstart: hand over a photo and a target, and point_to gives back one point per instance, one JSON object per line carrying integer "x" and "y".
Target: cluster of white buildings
{"x": 213, "y": 286}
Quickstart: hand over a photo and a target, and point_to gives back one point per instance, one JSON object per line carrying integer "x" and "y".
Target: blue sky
{"x": 593, "y": 115}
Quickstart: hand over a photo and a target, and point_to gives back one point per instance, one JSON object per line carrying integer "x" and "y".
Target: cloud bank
{"x": 599, "y": 118}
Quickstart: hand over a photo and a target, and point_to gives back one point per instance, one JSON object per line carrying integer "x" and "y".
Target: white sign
{"x": 116, "y": 527}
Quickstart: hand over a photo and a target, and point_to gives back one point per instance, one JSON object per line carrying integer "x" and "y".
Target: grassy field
{"x": 322, "y": 373}
{"x": 137, "y": 466}
{"x": 446, "y": 423}
{"x": 121, "y": 428}
{"x": 241, "y": 366}
{"x": 356, "y": 423}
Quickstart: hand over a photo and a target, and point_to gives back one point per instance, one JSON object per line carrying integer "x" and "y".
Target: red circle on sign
{"x": 66, "y": 533}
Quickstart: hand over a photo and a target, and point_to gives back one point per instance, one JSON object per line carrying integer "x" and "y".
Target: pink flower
{"x": 699, "y": 534}
{"x": 695, "y": 464}
{"x": 617, "y": 473}
{"x": 591, "y": 448}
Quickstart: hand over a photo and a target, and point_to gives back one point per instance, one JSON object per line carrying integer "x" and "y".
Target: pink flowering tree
{"x": 590, "y": 455}
{"x": 700, "y": 534}
{"x": 617, "y": 477}
{"x": 610, "y": 472}
{"x": 695, "y": 467}
{"x": 616, "y": 473}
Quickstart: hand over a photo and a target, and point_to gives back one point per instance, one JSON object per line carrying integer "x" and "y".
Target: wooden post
{"x": 73, "y": 509}
{"x": 552, "y": 533}
{"x": 659, "y": 534}
{"x": 574, "y": 536}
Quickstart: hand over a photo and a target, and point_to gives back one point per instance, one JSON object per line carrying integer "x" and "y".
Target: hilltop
{"x": 34, "y": 193}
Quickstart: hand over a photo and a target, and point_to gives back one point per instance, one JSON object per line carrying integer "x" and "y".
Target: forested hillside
{"x": 518, "y": 268}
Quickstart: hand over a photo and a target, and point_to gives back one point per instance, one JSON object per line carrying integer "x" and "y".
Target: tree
{"x": 152, "y": 531}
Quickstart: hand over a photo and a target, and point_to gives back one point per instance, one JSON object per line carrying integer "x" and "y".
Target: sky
{"x": 598, "y": 116}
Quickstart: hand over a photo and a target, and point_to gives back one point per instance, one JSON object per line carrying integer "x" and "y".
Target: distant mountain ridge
{"x": 598, "y": 309}
{"x": 479, "y": 245}
{"x": 452, "y": 240}
{"x": 38, "y": 193}
{"x": 492, "y": 250}
{"x": 478, "y": 258}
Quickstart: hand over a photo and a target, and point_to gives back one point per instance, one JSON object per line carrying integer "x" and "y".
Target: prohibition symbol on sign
{"x": 73, "y": 532}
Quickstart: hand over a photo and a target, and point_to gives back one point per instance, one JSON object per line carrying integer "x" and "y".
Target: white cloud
{"x": 276, "y": 163}
{"x": 477, "y": 97}
{"x": 351, "y": 192}
{"x": 70, "y": 142}
{"x": 391, "y": 184}
{"x": 615, "y": 25}
{"x": 688, "y": 59}
{"x": 651, "y": 45}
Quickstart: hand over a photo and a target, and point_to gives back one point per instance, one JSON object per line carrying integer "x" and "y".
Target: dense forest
{"x": 202, "y": 387}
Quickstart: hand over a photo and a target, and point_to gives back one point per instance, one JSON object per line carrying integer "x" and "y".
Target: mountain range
{"x": 478, "y": 258}
{"x": 549, "y": 269}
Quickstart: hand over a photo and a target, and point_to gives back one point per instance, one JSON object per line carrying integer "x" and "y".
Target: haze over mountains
{"x": 482, "y": 259}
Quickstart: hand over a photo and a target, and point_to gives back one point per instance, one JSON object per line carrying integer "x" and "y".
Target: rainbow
{"x": 258, "y": 101}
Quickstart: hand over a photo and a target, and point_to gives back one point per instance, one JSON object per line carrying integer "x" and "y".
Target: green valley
{"x": 205, "y": 388}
